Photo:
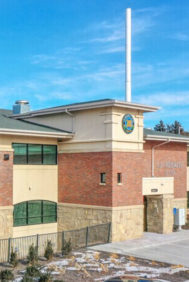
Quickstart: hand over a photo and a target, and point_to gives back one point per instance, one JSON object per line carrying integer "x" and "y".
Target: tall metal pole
{"x": 128, "y": 56}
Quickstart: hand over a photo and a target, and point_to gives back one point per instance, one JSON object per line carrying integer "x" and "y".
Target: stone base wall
{"x": 127, "y": 222}
{"x": 167, "y": 213}
{"x": 6, "y": 222}
{"x": 180, "y": 203}
{"x": 160, "y": 214}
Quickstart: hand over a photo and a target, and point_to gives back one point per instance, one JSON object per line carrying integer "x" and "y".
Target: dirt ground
{"x": 88, "y": 265}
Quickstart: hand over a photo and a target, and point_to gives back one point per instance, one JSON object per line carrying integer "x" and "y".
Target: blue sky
{"x": 63, "y": 51}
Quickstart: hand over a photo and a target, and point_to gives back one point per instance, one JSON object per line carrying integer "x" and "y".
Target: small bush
{"x": 48, "y": 250}
{"x": 32, "y": 271}
{"x": 6, "y": 275}
{"x": 45, "y": 277}
{"x": 67, "y": 247}
{"x": 13, "y": 258}
{"x": 26, "y": 278}
{"x": 32, "y": 255}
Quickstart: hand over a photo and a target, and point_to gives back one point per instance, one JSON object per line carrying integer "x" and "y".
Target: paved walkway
{"x": 171, "y": 248}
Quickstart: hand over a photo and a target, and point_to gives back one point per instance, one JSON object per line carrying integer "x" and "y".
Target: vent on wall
{"x": 21, "y": 107}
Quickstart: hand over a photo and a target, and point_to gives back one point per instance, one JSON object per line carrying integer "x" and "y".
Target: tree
{"x": 160, "y": 126}
{"x": 175, "y": 127}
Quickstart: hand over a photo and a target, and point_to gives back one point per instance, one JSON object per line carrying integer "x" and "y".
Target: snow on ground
{"x": 112, "y": 266}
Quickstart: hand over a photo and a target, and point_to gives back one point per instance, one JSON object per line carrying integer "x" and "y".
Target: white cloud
{"x": 180, "y": 36}
{"x": 180, "y": 98}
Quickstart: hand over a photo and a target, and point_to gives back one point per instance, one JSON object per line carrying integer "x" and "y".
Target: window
{"x": 119, "y": 178}
{"x": 35, "y": 212}
{"x": 103, "y": 178}
{"x": 188, "y": 199}
{"x": 187, "y": 158}
{"x": 34, "y": 154}
{"x": 20, "y": 153}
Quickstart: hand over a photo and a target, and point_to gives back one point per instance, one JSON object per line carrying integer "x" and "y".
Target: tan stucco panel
{"x": 101, "y": 130}
{"x": 157, "y": 185}
{"x": 35, "y": 182}
{"x": 28, "y": 230}
{"x": 188, "y": 178}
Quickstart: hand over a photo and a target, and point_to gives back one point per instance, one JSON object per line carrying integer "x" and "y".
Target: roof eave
{"x": 32, "y": 133}
{"x": 164, "y": 138}
{"x": 111, "y": 103}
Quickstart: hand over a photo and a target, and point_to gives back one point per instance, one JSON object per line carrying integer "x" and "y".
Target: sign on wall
{"x": 128, "y": 123}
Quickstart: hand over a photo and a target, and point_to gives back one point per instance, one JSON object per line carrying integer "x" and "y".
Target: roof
{"x": 150, "y": 134}
{"x": 88, "y": 105}
{"x": 17, "y": 127}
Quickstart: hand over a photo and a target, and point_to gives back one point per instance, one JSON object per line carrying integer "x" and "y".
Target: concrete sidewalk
{"x": 171, "y": 248}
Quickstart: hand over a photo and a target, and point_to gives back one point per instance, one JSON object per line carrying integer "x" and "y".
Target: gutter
{"x": 153, "y": 149}
{"x": 35, "y": 133}
{"x": 164, "y": 138}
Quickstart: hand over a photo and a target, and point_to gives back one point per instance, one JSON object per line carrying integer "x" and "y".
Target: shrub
{"x": 32, "y": 255}
{"x": 6, "y": 275}
{"x": 67, "y": 247}
{"x": 45, "y": 277}
{"x": 32, "y": 271}
{"x": 13, "y": 258}
{"x": 26, "y": 278}
{"x": 48, "y": 250}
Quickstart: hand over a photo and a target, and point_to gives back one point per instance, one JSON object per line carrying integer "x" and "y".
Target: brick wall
{"x": 79, "y": 174}
{"x": 169, "y": 161}
{"x": 79, "y": 178}
{"x": 6, "y": 179}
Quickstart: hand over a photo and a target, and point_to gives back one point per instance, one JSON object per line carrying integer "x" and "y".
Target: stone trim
{"x": 101, "y": 207}
{"x": 6, "y": 207}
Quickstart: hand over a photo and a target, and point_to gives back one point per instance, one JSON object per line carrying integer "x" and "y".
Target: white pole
{"x": 128, "y": 56}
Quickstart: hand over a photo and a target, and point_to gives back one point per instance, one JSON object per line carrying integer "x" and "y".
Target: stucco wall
{"x": 97, "y": 130}
{"x": 35, "y": 182}
{"x": 28, "y": 230}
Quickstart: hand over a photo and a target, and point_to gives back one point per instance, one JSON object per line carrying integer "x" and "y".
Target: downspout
{"x": 70, "y": 114}
{"x": 153, "y": 148}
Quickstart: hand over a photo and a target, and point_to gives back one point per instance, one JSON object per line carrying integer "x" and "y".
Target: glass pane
{"x": 34, "y": 154}
{"x": 103, "y": 177}
{"x": 34, "y": 212}
{"x": 20, "y": 214}
{"x": 187, "y": 158}
{"x": 49, "y": 219}
{"x": 49, "y": 154}
{"x": 49, "y": 211}
{"x": 20, "y": 153}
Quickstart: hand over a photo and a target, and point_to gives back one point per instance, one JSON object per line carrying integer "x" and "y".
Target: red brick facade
{"x": 79, "y": 174}
{"x": 169, "y": 161}
{"x": 6, "y": 179}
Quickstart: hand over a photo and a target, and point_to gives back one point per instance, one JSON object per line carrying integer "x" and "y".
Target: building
{"x": 88, "y": 163}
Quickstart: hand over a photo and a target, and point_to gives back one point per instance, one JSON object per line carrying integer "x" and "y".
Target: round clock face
{"x": 128, "y": 123}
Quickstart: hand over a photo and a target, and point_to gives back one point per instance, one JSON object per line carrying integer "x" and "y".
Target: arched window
{"x": 35, "y": 212}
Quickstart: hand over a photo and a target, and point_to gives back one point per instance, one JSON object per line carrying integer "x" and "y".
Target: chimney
{"x": 21, "y": 107}
{"x": 128, "y": 56}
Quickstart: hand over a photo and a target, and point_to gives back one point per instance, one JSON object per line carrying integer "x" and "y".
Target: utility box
{"x": 179, "y": 217}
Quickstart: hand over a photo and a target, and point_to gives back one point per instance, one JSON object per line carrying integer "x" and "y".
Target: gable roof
{"x": 19, "y": 127}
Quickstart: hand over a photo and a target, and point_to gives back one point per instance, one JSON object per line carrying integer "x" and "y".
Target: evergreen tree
{"x": 160, "y": 126}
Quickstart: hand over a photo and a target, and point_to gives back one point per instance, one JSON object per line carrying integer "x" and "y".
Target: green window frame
{"x": 187, "y": 158}
{"x": 34, "y": 154}
{"x": 35, "y": 212}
